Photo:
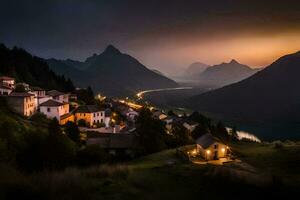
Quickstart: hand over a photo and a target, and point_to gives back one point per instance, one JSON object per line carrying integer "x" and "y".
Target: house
{"x": 40, "y": 95}
{"x": 68, "y": 117}
{"x": 211, "y": 148}
{"x": 73, "y": 97}
{"x": 190, "y": 126}
{"x": 107, "y": 119}
{"x": 115, "y": 144}
{"x": 132, "y": 115}
{"x": 38, "y": 91}
{"x": 159, "y": 115}
{"x": 22, "y": 102}
{"x": 7, "y": 81}
{"x": 58, "y": 96}
{"x": 55, "y": 109}
{"x": 5, "y": 90}
{"x": 91, "y": 114}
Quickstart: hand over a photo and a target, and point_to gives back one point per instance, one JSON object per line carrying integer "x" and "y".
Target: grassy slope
{"x": 151, "y": 177}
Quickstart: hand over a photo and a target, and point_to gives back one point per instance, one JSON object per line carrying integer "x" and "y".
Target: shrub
{"x": 39, "y": 118}
{"x": 82, "y": 123}
{"x": 72, "y": 131}
{"x": 91, "y": 155}
{"x": 278, "y": 144}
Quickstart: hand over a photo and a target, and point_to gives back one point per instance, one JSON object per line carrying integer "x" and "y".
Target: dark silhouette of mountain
{"x": 269, "y": 95}
{"x": 112, "y": 73}
{"x": 225, "y": 74}
{"x": 158, "y": 72}
{"x": 195, "y": 69}
{"x": 30, "y": 69}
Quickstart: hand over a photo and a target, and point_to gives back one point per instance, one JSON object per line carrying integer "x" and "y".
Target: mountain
{"x": 33, "y": 70}
{"x": 225, "y": 74}
{"x": 112, "y": 73}
{"x": 158, "y": 72}
{"x": 195, "y": 69}
{"x": 269, "y": 95}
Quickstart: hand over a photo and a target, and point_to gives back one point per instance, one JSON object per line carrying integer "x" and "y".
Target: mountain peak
{"x": 233, "y": 61}
{"x": 112, "y": 50}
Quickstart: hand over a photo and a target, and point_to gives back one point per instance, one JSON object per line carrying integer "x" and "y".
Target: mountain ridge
{"x": 114, "y": 73}
{"x": 269, "y": 95}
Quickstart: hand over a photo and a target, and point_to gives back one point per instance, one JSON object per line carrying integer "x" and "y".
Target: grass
{"x": 165, "y": 176}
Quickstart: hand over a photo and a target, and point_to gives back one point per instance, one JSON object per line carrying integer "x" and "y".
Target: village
{"x": 112, "y": 127}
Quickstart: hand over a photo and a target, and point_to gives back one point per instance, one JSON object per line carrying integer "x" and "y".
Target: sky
{"x": 167, "y": 35}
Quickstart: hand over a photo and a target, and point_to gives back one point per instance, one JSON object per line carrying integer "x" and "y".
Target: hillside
{"x": 269, "y": 95}
{"x": 224, "y": 74}
{"x": 33, "y": 70}
{"x": 164, "y": 176}
{"x": 112, "y": 73}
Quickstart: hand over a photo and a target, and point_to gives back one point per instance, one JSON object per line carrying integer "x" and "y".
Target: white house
{"x": 40, "y": 94}
{"x": 54, "y": 109}
{"x": 58, "y": 96}
{"x": 7, "y": 81}
{"x": 190, "y": 126}
{"x": 5, "y": 90}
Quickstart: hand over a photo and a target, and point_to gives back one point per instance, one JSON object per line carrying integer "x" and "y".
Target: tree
{"x": 82, "y": 123}
{"x": 171, "y": 113}
{"x": 233, "y": 134}
{"x": 20, "y": 88}
{"x": 86, "y": 95}
{"x": 180, "y": 135}
{"x": 72, "y": 131}
{"x": 199, "y": 131}
{"x": 92, "y": 155}
{"x": 150, "y": 133}
{"x": 59, "y": 151}
{"x": 221, "y": 132}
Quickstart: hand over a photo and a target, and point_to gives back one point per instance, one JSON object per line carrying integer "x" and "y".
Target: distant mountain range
{"x": 112, "y": 73}
{"x": 225, "y": 74}
{"x": 272, "y": 94}
{"x": 195, "y": 69}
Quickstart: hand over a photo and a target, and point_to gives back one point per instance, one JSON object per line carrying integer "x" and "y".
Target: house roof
{"x": 65, "y": 116}
{"x": 54, "y": 93}
{"x": 206, "y": 140}
{"x": 34, "y": 88}
{"x": 88, "y": 109}
{"x": 51, "y": 103}
{"x": 20, "y": 94}
{"x": 114, "y": 141}
{"x": 5, "y": 87}
{"x": 6, "y": 78}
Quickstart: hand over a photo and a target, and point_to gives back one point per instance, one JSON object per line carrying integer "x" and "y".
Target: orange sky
{"x": 253, "y": 50}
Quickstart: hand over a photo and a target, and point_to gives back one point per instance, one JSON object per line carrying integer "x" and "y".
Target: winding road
{"x": 141, "y": 93}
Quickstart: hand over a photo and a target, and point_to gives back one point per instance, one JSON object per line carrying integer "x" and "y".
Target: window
{"x": 94, "y": 114}
{"x": 215, "y": 146}
{"x": 97, "y": 114}
{"x": 101, "y": 114}
{"x": 101, "y": 120}
{"x": 84, "y": 114}
{"x": 48, "y": 109}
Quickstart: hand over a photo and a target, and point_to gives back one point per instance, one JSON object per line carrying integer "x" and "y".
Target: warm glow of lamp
{"x": 208, "y": 151}
{"x": 223, "y": 150}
